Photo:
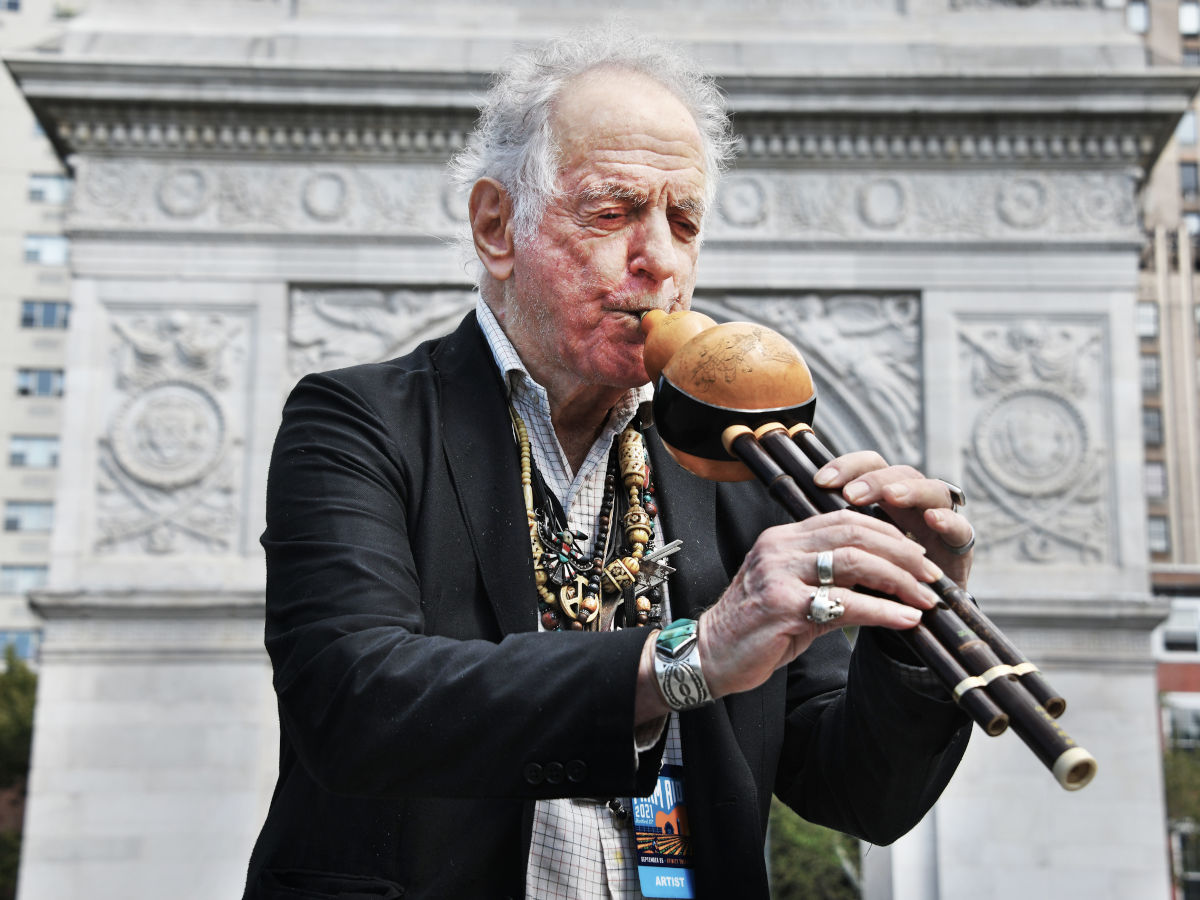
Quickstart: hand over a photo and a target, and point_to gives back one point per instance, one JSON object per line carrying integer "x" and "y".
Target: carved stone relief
{"x": 168, "y": 462}
{"x": 380, "y": 199}
{"x": 265, "y": 197}
{"x": 1035, "y": 462}
{"x": 333, "y": 327}
{"x": 918, "y": 205}
{"x": 864, "y": 353}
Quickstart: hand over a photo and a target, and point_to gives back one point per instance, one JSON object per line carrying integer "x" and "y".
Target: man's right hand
{"x": 760, "y": 623}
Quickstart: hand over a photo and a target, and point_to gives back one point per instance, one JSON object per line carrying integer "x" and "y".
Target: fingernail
{"x": 931, "y": 595}
{"x": 938, "y": 518}
{"x": 897, "y": 491}
{"x": 825, "y": 476}
{"x": 910, "y": 615}
{"x": 856, "y": 490}
{"x": 932, "y": 572}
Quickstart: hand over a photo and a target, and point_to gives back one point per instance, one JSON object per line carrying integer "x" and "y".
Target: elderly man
{"x": 468, "y": 705}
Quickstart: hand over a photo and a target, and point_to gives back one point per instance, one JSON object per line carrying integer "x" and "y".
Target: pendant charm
{"x": 619, "y": 573}
{"x": 576, "y": 604}
{"x": 654, "y": 569}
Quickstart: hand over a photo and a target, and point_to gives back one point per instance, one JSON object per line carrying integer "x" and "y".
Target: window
{"x": 1151, "y": 378}
{"x": 40, "y": 382}
{"x": 1184, "y": 725}
{"x": 1189, "y": 18}
{"x": 1191, "y": 57}
{"x": 24, "y": 642}
{"x": 1185, "y": 131}
{"x": 1147, "y": 320}
{"x": 1181, "y": 631}
{"x": 1137, "y": 16}
{"x": 11, "y": 5}
{"x": 22, "y": 579}
{"x": 1155, "y": 480}
{"x": 1189, "y": 180}
{"x": 44, "y": 314}
{"x": 51, "y": 249}
{"x": 28, "y": 452}
{"x": 1159, "y": 534}
{"x": 50, "y": 189}
{"x": 1152, "y": 426}
{"x": 1191, "y": 221}
{"x": 1187, "y": 858}
{"x": 28, "y": 515}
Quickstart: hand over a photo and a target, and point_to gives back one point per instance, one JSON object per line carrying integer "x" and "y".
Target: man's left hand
{"x": 920, "y": 506}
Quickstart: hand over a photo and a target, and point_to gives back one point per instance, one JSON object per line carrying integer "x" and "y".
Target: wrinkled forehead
{"x": 614, "y": 114}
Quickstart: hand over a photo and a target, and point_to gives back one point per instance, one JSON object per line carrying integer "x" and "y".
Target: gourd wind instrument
{"x": 735, "y": 401}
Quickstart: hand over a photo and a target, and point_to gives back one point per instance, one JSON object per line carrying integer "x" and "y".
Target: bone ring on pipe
{"x": 824, "y": 609}
{"x": 825, "y": 567}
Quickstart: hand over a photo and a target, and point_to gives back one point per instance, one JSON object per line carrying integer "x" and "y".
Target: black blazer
{"x": 422, "y": 714}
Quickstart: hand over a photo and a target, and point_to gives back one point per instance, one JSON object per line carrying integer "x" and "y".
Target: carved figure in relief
{"x": 175, "y": 344}
{"x": 333, "y": 327}
{"x": 866, "y": 349}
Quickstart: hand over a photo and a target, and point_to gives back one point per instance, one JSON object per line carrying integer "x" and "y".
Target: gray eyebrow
{"x": 607, "y": 190}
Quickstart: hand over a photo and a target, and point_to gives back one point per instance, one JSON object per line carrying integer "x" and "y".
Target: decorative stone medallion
{"x": 882, "y": 203}
{"x": 743, "y": 201}
{"x": 1023, "y": 202}
{"x": 169, "y": 435}
{"x": 325, "y": 196}
{"x": 1032, "y": 441}
{"x": 183, "y": 192}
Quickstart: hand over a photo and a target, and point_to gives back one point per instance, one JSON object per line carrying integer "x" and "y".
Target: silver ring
{"x": 958, "y": 496}
{"x": 824, "y": 609}
{"x": 964, "y": 549}
{"x": 825, "y": 567}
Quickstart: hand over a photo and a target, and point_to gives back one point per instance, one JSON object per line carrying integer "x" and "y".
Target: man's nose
{"x": 653, "y": 254}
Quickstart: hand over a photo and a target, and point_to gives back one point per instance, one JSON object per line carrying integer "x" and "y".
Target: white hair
{"x": 513, "y": 141}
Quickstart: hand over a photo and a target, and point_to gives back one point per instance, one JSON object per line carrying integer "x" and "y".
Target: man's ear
{"x": 491, "y": 227}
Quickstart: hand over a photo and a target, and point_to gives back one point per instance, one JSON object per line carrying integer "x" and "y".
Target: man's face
{"x": 620, "y": 238}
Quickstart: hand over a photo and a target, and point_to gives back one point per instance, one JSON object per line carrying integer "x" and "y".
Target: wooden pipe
{"x": 728, "y": 401}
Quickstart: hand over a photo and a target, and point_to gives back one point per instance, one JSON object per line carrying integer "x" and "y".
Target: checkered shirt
{"x": 578, "y": 851}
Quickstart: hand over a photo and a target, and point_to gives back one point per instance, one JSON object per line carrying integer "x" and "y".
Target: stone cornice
{"x": 410, "y": 134}
{"x": 206, "y": 131}
{"x": 44, "y": 77}
{"x": 266, "y": 110}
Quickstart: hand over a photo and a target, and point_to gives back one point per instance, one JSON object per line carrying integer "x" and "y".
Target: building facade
{"x": 34, "y": 313}
{"x": 937, "y": 200}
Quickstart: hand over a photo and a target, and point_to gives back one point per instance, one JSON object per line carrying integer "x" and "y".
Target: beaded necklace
{"x": 571, "y": 585}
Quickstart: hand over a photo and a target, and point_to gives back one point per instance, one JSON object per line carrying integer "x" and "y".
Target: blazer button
{"x": 576, "y": 771}
{"x": 533, "y": 773}
{"x": 555, "y": 773}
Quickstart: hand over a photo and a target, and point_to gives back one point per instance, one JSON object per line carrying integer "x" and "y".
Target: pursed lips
{"x": 637, "y": 310}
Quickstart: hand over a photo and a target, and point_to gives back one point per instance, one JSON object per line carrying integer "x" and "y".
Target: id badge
{"x": 664, "y": 841}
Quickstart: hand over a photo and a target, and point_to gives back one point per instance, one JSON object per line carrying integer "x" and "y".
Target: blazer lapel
{"x": 485, "y": 468}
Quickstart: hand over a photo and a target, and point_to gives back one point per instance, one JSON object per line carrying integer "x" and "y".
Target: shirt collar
{"x": 519, "y": 382}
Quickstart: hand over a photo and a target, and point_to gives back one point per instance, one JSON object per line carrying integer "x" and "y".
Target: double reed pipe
{"x": 735, "y": 402}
